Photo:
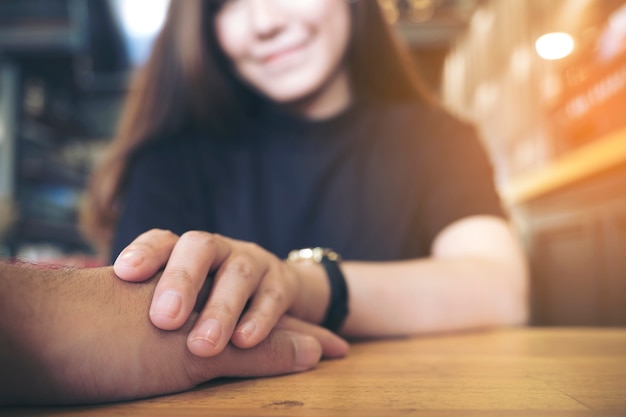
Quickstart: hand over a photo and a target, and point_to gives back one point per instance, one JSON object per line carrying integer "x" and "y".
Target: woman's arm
{"x": 84, "y": 336}
{"x": 476, "y": 277}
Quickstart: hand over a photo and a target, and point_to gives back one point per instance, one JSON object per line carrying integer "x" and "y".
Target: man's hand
{"x": 84, "y": 336}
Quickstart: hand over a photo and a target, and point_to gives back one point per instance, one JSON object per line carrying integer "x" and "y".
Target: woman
{"x": 262, "y": 126}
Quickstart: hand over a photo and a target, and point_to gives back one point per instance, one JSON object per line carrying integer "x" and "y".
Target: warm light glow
{"x": 554, "y": 45}
{"x": 390, "y": 10}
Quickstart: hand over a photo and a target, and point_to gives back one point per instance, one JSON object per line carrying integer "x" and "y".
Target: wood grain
{"x": 509, "y": 373}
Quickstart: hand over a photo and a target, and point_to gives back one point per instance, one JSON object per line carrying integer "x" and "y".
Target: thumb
{"x": 333, "y": 346}
{"x": 282, "y": 352}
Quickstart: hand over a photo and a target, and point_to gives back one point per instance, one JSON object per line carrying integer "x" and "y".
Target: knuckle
{"x": 152, "y": 240}
{"x": 253, "y": 247}
{"x": 264, "y": 319}
{"x": 275, "y": 295}
{"x": 180, "y": 276}
{"x": 169, "y": 235}
{"x": 164, "y": 233}
{"x": 242, "y": 266}
{"x": 197, "y": 237}
{"x": 157, "y": 234}
{"x": 221, "y": 309}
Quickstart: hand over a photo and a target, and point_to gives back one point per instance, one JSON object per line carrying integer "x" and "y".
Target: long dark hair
{"x": 187, "y": 82}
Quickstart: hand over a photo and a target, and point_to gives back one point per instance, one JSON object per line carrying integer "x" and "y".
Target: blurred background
{"x": 544, "y": 81}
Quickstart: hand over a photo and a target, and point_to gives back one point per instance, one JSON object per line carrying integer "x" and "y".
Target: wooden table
{"x": 517, "y": 372}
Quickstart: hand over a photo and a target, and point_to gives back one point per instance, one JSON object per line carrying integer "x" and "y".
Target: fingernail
{"x": 133, "y": 258}
{"x": 209, "y": 332}
{"x": 308, "y": 351}
{"x": 169, "y": 304}
{"x": 247, "y": 328}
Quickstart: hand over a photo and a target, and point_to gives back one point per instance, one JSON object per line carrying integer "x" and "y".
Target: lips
{"x": 281, "y": 54}
{"x": 276, "y": 56}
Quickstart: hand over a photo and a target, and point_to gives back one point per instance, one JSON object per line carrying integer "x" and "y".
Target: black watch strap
{"x": 338, "y": 306}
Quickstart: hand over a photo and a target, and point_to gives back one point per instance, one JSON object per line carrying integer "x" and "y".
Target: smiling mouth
{"x": 282, "y": 55}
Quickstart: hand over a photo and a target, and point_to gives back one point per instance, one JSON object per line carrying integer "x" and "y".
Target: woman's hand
{"x": 246, "y": 277}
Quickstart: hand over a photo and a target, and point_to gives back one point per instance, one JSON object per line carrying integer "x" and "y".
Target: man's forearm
{"x": 20, "y": 334}
{"x": 84, "y": 336}
{"x": 47, "y": 320}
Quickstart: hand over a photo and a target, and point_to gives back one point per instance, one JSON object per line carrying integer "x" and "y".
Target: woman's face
{"x": 287, "y": 49}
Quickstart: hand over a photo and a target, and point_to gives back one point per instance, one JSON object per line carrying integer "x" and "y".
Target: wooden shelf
{"x": 580, "y": 164}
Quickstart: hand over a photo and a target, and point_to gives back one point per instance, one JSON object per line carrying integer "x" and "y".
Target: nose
{"x": 266, "y": 18}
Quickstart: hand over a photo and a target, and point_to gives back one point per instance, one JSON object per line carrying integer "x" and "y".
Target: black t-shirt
{"x": 377, "y": 182}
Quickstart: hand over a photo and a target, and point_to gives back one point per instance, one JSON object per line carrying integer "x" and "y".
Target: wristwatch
{"x": 329, "y": 259}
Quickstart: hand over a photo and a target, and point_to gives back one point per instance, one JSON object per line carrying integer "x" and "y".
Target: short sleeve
{"x": 460, "y": 180}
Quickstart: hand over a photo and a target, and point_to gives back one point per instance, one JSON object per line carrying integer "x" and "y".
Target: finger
{"x": 235, "y": 281}
{"x": 269, "y": 303}
{"x": 281, "y": 353}
{"x": 187, "y": 268}
{"x": 145, "y": 255}
{"x": 333, "y": 346}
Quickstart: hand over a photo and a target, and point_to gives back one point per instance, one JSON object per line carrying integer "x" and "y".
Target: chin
{"x": 289, "y": 93}
{"x": 292, "y": 91}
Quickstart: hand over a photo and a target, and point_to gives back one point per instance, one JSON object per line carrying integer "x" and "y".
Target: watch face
{"x": 313, "y": 254}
